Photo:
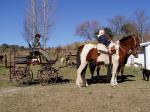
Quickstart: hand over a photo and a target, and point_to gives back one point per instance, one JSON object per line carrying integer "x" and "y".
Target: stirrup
{"x": 111, "y": 53}
{"x": 103, "y": 52}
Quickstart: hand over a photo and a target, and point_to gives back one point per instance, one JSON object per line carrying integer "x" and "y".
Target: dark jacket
{"x": 103, "y": 39}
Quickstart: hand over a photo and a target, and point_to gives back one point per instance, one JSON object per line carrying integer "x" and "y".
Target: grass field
{"x": 132, "y": 95}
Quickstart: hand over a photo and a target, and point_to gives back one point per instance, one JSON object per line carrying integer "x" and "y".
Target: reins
{"x": 135, "y": 42}
{"x": 122, "y": 49}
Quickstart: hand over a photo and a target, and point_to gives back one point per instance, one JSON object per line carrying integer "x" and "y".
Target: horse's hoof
{"x": 83, "y": 85}
{"x": 117, "y": 85}
{"x": 78, "y": 84}
{"x": 87, "y": 85}
{"x": 112, "y": 85}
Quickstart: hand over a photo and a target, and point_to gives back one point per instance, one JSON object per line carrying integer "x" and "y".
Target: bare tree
{"x": 29, "y": 22}
{"x": 116, "y": 24}
{"x": 47, "y": 24}
{"x": 38, "y": 19}
{"x": 129, "y": 28}
{"x": 33, "y": 15}
{"x": 142, "y": 23}
{"x": 27, "y": 34}
{"x": 87, "y": 29}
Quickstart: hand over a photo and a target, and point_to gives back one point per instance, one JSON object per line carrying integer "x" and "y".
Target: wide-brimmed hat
{"x": 37, "y": 35}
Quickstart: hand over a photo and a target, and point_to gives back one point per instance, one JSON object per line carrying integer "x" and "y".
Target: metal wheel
{"x": 20, "y": 75}
{"x": 28, "y": 76}
{"x": 43, "y": 77}
{"x": 16, "y": 78}
{"x": 53, "y": 75}
{"x": 47, "y": 75}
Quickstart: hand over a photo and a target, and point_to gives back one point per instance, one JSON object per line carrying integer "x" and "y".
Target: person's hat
{"x": 37, "y": 35}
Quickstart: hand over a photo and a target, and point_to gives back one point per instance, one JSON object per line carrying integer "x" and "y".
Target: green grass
{"x": 4, "y": 77}
{"x": 4, "y": 71}
{"x": 132, "y": 95}
{"x": 68, "y": 73}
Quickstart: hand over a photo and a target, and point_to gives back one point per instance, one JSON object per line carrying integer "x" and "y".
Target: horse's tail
{"x": 78, "y": 56}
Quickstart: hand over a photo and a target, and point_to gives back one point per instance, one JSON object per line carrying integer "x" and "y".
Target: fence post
{"x": 5, "y": 61}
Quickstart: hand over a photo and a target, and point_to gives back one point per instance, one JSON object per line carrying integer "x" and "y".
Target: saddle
{"x": 104, "y": 50}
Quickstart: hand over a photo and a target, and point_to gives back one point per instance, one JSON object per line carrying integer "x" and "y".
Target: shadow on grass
{"x": 60, "y": 79}
{"x": 103, "y": 79}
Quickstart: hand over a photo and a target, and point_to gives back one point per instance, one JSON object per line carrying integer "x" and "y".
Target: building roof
{"x": 145, "y": 44}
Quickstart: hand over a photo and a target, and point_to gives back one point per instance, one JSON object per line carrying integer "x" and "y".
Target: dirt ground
{"x": 132, "y": 95}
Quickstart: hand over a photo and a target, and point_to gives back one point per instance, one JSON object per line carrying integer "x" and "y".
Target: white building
{"x": 143, "y": 57}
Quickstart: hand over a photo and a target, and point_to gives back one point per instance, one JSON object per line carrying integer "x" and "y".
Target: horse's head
{"x": 135, "y": 48}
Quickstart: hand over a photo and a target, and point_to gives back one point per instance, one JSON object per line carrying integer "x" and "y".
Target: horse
{"x": 89, "y": 53}
{"x": 94, "y": 66}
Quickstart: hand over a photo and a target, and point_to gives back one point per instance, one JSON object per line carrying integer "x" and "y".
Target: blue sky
{"x": 67, "y": 15}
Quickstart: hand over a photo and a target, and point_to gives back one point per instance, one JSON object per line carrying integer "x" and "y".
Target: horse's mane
{"x": 125, "y": 38}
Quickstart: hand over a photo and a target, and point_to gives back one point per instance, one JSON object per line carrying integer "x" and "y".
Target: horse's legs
{"x": 98, "y": 69}
{"x": 109, "y": 71}
{"x": 113, "y": 81}
{"x": 92, "y": 67}
{"x": 147, "y": 77}
{"x": 79, "y": 80}
{"x": 122, "y": 71}
{"x": 83, "y": 76}
{"x": 116, "y": 74}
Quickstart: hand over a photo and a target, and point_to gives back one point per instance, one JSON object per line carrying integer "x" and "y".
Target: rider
{"x": 37, "y": 47}
{"x": 104, "y": 36}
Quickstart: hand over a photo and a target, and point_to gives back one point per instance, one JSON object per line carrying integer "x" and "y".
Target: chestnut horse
{"x": 94, "y": 66}
{"x": 89, "y": 53}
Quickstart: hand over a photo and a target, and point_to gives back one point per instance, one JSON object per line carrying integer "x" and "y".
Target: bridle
{"x": 136, "y": 47}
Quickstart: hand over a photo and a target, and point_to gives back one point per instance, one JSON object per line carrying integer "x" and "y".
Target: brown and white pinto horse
{"x": 94, "y": 66}
{"x": 89, "y": 53}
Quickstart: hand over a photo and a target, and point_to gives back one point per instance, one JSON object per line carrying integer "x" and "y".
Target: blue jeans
{"x": 102, "y": 39}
